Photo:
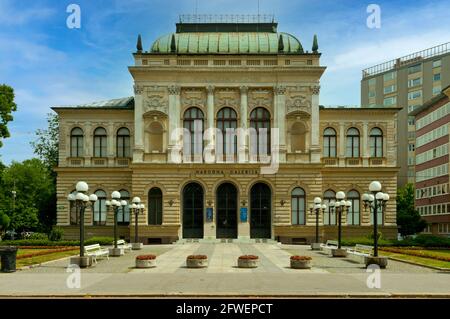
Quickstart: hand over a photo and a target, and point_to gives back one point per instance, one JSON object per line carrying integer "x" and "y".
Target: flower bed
{"x": 46, "y": 252}
{"x": 416, "y": 253}
{"x": 300, "y": 262}
{"x": 145, "y": 261}
{"x": 197, "y": 261}
{"x": 248, "y": 261}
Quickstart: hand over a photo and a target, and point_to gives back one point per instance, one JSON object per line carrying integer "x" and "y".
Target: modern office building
{"x": 407, "y": 82}
{"x": 165, "y": 143}
{"x": 432, "y": 162}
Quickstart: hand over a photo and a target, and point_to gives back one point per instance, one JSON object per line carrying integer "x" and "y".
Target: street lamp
{"x": 138, "y": 208}
{"x": 375, "y": 201}
{"x": 318, "y": 208}
{"x": 81, "y": 200}
{"x": 340, "y": 206}
{"x": 115, "y": 204}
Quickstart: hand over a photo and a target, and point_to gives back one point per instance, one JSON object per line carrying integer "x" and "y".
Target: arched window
{"x": 155, "y": 137}
{"x": 73, "y": 211}
{"x": 100, "y": 142}
{"x": 100, "y": 208}
{"x": 329, "y": 216}
{"x": 352, "y": 149}
{"x": 298, "y": 203}
{"x": 227, "y": 124}
{"x": 260, "y": 121}
{"x": 329, "y": 142}
{"x": 298, "y": 137}
{"x": 193, "y": 122}
{"x": 123, "y": 142}
{"x": 155, "y": 206}
{"x": 353, "y": 213}
{"x": 376, "y": 142}
{"x": 76, "y": 142}
{"x": 123, "y": 215}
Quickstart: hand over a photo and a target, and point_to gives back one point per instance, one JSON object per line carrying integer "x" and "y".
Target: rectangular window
{"x": 437, "y": 63}
{"x": 437, "y": 77}
{"x": 414, "y": 68}
{"x": 389, "y": 76}
{"x": 390, "y": 101}
{"x": 390, "y": 89}
{"x": 372, "y": 81}
{"x": 414, "y": 94}
{"x": 437, "y": 90}
{"x": 414, "y": 82}
{"x": 371, "y": 94}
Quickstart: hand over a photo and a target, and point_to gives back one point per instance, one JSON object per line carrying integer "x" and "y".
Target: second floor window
{"x": 376, "y": 142}
{"x": 227, "y": 124}
{"x": 260, "y": 121}
{"x": 123, "y": 142}
{"x": 100, "y": 142}
{"x": 193, "y": 123}
{"x": 329, "y": 142}
{"x": 76, "y": 142}
{"x": 352, "y": 149}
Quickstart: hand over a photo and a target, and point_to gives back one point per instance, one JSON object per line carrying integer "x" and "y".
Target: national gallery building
{"x": 224, "y": 139}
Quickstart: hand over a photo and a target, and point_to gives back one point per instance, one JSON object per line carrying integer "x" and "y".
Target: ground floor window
{"x": 298, "y": 206}
{"x": 123, "y": 215}
{"x": 329, "y": 216}
{"x": 74, "y": 216}
{"x": 379, "y": 216}
{"x": 100, "y": 208}
{"x": 444, "y": 228}
{"x": 155, "y": 206}
{"x": 353, "y": 212}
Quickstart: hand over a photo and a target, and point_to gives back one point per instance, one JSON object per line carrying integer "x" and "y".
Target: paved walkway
{"x": 273, "y": 277}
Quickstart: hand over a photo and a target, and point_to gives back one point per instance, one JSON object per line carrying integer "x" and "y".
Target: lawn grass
{"x": 44, "y": 258}
{"x": 419, "y": 260}
{"x": 28, "y": 251}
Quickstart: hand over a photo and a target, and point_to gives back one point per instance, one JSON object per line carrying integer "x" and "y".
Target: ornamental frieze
{"x": 298, "y": 102}
{"x": 193, "y": 97}
{"x": 260, "y": 98}
{"x": 227, "y": 98}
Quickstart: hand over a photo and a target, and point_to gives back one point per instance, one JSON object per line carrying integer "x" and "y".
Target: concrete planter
{"x": 82, "y": 262}
{"x": 380, "y": 261}
{"x": 300, "y": 264}
{"x": 339, "y": 252}
{"x": 196, "y": 263}
{"x": 116, "y": 252}
{"x": 137, "y": 246}
{"x": 248, "y": 263}
{"x": 149, "y": 263}
{"x": 315, "y": 246}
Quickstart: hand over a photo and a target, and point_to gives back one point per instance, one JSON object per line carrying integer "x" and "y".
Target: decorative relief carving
{"x": 156, "y": 100}
{"x": 173, "y": 89}
{"x": 315, "y": 89}
{"x": 227, "y": 98}
{"x": 244, "y": 89}
{"x": 138, "y": 89}
{"x": 193, "y": 97}
{"x": 260, "y": 98}
{"x": 298, "y": 100}
{"x": 280, "y": 89}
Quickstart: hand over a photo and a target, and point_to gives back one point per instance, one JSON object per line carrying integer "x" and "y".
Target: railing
{"x": 330, "y": 161}
{"x": 76, "y": 161}
{"x": 99, "y": 161}
{"x": 353, "y": 161}
{"x": 377, "y": 161}
{"x": 227, "y": 18}
{"x": 407, "y": 59}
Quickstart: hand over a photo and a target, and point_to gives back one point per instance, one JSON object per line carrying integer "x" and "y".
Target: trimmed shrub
{"x": 104, "y": 241}
{"x": 38, "y": 236}
{"x": 56, "y": 234}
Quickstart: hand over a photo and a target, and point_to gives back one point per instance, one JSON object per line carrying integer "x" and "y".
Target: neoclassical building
{"x": 212, "y": 78}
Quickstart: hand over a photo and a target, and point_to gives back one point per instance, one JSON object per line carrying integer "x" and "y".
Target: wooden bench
{"x": 95, "y": 251}
{"x": 329, "y": 246}
{"x": 121, "y": 243}
{"x": 360, "y": 252}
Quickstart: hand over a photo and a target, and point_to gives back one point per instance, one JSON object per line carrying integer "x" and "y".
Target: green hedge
{"x": 41, "y": 242}
{"x": 419, "y": 241}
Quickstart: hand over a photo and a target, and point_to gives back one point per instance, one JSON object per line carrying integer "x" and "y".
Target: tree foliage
{"x": 408, "y": 218}
{"x": 47, "y": 141}
{"x": 7, "y": 106}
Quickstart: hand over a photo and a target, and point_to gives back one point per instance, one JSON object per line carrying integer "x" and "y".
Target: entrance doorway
{"x": 227, "y": 204}
{"x": 193, "y": 211}
{"x": 260, "y": 211}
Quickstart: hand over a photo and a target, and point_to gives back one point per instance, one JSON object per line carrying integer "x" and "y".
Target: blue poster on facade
{"x": 209, "y": 214}
{"x": 243, "y": 214}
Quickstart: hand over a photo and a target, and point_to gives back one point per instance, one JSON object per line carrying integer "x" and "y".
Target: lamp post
{"x": 81, "y": 201}
{"x": 340, "y": 206}
{"x": 375, "y": 200}
{"x": 138, "y": 208}
{"x": 317, "y": 208}
{"x": 115, "y": 204}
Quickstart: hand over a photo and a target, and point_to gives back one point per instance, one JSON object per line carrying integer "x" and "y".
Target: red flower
{"x": 197, "y": 257}
{"x": 249, "y": 257}
{"x": 300, "y": 258}
{"x": 146, "y": 257}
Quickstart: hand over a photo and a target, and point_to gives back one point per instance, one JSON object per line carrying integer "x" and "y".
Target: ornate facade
{"x": 258, "y": 79}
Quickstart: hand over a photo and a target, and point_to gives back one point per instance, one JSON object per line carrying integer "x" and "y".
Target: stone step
{"x": 231, "y": 240}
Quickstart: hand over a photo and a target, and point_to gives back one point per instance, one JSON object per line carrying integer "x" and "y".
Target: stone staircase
{"x": 233, "y": 241}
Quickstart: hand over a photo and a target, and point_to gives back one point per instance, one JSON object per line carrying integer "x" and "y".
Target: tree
{"x": 408, "y": 218}
{"x": 7, "y": 106}
{"x": 35, "y": 205}
{"x": 47, "y": 142}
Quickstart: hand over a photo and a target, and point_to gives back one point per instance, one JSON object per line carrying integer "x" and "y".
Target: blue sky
{"x": 48, "y": 64}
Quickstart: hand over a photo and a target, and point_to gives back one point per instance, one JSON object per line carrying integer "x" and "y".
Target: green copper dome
{"x": 228, "y": 43}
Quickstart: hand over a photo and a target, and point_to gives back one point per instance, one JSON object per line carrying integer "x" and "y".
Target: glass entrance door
{"x": 193, "y": 211}
{"x": 226, "y": 211}
{"x": 260, "y": 211}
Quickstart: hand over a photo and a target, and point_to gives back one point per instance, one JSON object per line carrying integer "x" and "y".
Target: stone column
{"x": 110, "y": 144}
{"x": 138, "y": 153}
{"x": 365, "y": 145}
{"x": 341, "y": 139}
{"x": 243, "y": 140}
{"x": 280, "y": 120}
{"x": 315, "y": 133}
{"x": 210, "y": 115}
{"x": 88, "y": 143}
{"x": 174, "y": 117}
